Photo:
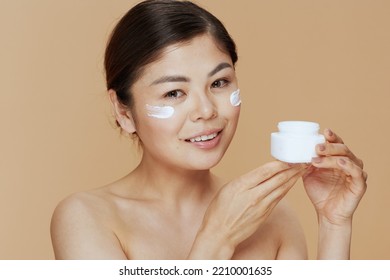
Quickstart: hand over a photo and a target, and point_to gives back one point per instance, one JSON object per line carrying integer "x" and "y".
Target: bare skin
{"x": 118, "y": 222}
{"x": 172, "y": 207}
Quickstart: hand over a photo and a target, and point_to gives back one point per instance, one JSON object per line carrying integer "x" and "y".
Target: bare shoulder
{"x": 87, "y": 204}
{"x": 82, "y": 206}
{"x": 80, "y": 228}
{"x": 292, "y": 242}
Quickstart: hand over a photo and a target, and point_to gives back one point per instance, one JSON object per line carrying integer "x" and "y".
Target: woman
{"x": 172, "y": 84}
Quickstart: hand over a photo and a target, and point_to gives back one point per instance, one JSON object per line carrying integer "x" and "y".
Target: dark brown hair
{"x": 145, "y": 30}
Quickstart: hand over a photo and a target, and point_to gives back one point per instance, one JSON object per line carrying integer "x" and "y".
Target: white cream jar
{"x": 296, "y": 141}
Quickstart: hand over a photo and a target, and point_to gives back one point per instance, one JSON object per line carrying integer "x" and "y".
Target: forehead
{"x": 198, "y": 55}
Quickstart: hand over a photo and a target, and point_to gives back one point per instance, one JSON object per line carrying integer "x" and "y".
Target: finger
{"x": 337, "y": 149}
{"x": 365, "y": 175}
{"x": 262, "y": 173}
{"x": 278, "y": 193}
{"x": 358, "y": 176}
{"x": 345, "y": 164}
{"x": 279, "y": 181}
{"x": 332, "y": 137}
{"x": 269, "y": 201}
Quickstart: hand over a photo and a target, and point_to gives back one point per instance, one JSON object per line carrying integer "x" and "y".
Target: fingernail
{"x": 317, "y": 159}
{"x": 321, "y": 147}
{"x": 330, "y": 132}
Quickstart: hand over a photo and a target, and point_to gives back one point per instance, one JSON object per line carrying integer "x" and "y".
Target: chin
{"x": 203, "y": 163}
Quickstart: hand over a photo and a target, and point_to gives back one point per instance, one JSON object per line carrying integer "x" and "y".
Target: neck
{"x": 174, "y": 185}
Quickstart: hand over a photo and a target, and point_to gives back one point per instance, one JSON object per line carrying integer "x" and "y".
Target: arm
{"x": 334, "y": 241}
{"x": 77, "y": 232}
{"x": 335, "y": 184}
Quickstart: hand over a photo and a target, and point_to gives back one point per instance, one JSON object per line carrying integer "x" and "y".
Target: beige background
{"x": 325, "y": 61}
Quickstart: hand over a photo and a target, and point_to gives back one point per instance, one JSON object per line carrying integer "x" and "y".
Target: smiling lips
{"x": 203, "y": 137}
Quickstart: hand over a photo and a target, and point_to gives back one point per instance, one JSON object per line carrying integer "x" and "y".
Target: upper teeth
{"x": 204, "y": 137}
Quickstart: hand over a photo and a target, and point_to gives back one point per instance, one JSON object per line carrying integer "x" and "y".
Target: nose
{"x": 204, "y": 107}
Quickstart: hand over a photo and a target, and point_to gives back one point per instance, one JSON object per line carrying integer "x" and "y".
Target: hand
{"x": 336, "y": 182}
{"x": 242, "y": 205}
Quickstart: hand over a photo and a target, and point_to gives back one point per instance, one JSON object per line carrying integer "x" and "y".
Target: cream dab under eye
{"x": 235, "y": 98}
{"x": 160, "y": 112}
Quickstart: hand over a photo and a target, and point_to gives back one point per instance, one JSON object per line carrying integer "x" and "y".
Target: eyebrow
{"x": 178, "y": 78}
{"x": 220, "y": 67}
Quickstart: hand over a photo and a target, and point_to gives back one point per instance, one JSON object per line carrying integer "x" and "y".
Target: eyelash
{"x": 168, "y": 95}
{"x": 224, "y": 81}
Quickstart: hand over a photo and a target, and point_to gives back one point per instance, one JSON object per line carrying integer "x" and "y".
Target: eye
{"x": 219, "y": 83}
{"x": 174, "y": 94}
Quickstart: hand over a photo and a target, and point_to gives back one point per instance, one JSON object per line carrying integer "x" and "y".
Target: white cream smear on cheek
{"x": 235, "y": 98}
{"x": 160, "y": 112}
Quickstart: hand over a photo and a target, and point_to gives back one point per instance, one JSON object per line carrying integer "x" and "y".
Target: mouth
{"x": 203, "y": 138}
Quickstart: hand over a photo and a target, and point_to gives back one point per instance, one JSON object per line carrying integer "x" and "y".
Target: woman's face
{"x": 182, "y": 108}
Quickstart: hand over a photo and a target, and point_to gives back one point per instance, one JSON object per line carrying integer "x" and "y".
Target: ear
{"x": 121, "y": 113}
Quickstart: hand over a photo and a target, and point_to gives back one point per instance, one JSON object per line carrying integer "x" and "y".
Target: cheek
{"x": 234, "y": 113}
{"x": 155, "y": 129}
{"x": 229, "y": 106}
{"x": 159, "y": 127}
